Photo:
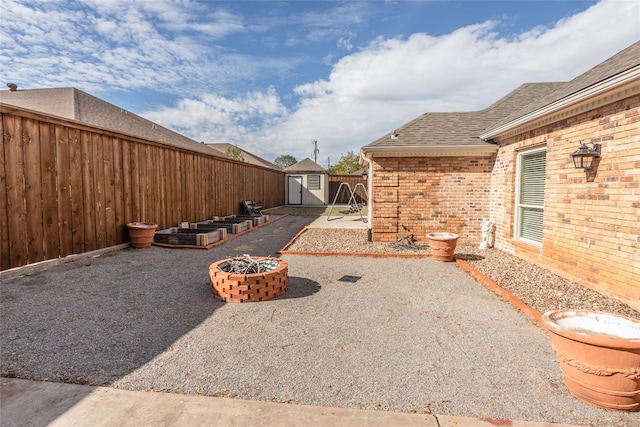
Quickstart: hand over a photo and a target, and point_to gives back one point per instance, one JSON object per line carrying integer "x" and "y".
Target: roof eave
{"x": 430, "y": 151}
{"x": 614, "y": 82}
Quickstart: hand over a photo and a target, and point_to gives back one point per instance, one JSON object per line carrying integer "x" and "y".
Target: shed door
{"x": 295, "y": 190}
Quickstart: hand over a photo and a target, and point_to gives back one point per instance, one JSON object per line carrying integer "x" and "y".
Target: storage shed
{"x": 307, "y": 183}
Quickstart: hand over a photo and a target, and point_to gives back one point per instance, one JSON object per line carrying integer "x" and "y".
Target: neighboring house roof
{"x": 468, "y": 132}
{"x": 457, "y": 129}
{"x": 74, "y": 104}
{"x": 250, "y": 158}
{"x": 305, "y": 166}
{"x": 360, "y": 172}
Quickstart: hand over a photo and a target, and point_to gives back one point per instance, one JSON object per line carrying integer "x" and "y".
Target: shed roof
{"x": 306, "y": 166}
{"x": 74, "y": 104}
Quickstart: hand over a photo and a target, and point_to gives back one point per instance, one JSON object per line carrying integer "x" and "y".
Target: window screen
{"x": 531, "y": 196}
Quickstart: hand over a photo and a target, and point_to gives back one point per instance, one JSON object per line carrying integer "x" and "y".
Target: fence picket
{"x": 76, "y": 193}
{"x": 16, "y": 206}
{"x": 33, "y": 190}
{"x": 4, "y": 211}
{"x": 70, "y": 188}
{"x": 48, "y": 165}
{"x": 88, "y": 205}
{"x": 63, "y": 189}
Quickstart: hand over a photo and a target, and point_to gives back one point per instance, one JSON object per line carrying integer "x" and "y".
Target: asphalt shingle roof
{"x": 464, "y": 128}
{"x": 222, "y": 147}
{"x": 306, "y": 165}
{"x": 74, "y": 104}
{"x": 461, "y": 128}
{"x": 620, "y": 62}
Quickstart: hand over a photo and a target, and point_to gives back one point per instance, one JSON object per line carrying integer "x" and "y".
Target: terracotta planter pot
{"x": 443, "y": 245}
{"x": 231, "y": 287}
{"x": 599, "y": 355}
{"x": 141, "y": 234}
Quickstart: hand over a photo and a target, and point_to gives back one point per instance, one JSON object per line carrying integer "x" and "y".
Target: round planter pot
{"x": 443, "y": 245}
{"x": 232, "y": 287}
{"x": 599, "y": 355}
{"x": 141, "y": 234}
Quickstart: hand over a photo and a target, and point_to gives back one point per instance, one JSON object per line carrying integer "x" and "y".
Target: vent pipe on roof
{"x": 12, "y": 87}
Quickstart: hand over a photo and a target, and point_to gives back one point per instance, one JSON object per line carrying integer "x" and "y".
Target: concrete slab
{"x": 33, "y": 403}
{"x": 39, "y": 403}
{"x": 447, "y": 421}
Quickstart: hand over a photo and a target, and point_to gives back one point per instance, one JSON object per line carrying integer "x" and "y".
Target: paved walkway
{"x": 35, "y": 403}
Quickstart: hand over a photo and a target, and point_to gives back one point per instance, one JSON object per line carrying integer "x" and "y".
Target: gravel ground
{"x": 410, "y": 335}
{"x": 536, "y": 287}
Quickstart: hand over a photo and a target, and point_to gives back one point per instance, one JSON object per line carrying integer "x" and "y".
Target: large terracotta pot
{"x": 254, "y": 287}
{"x": 141, "y": 234}
{"x": 443, "y": 245}
{"x": 599, "y": 355}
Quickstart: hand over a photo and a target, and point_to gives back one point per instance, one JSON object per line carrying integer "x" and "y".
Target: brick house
{"x": 511, "y": 163}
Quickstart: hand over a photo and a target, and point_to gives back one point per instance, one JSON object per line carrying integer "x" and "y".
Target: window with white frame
{"x": 313, "y": 182}
{"x": 532, "y": 165}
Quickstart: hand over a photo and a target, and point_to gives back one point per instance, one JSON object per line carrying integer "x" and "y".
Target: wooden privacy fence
{"x": 68, "y": 188}
{"x": 343, "y": 197}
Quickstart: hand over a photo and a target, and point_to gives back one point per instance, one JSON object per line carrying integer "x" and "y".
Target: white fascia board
{"x": 431, "y": 151}
{"x": 591, "y": 91}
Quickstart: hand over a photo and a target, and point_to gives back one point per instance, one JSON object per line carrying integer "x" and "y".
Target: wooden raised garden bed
{"x": 236, "y": 226}
{"x": 209, "y": 233}
{"x": 256, "y": 220}
{"x": 188, "y": 236}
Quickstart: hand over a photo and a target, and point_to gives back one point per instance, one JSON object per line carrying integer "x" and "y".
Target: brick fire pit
{"x": 263, "y": 286}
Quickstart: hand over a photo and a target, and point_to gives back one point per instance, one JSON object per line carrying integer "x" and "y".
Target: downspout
{"x": 369, "y": 193}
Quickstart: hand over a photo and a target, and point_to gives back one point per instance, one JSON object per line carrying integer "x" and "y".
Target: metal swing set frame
{"x": 352, "y": 205}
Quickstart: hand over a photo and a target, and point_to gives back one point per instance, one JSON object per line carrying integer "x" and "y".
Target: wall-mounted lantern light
{"x": 365, "y": 175}
{"x": 583, "y": 156}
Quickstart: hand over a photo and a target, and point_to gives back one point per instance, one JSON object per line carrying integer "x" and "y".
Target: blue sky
{"x": 273, "y": 76}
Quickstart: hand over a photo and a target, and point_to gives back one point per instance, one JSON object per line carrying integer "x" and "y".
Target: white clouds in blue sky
{"x": 272, "y": 76}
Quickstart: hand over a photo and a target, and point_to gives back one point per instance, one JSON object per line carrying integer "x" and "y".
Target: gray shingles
{"x": 306, "y": 165}
{"x": 463, "y": 128}
{"x": 622, "y": 61}
{"x": 74, "y": 104}
{"x": 250, "y": 158}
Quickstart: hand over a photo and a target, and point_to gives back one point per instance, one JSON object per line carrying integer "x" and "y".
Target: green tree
{"x": 347, "y": 164}
{"x": 234, "y": 153}
{"x": 285, "y": 161}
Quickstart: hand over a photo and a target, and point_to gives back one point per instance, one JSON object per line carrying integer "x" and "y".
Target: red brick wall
{"x": 423, "y": 194}
{"x": 591, "y": 222}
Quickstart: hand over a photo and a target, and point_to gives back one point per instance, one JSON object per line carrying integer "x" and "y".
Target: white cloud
{"x": 392, "y": 81}
{"x": 105, "y": 46}
{"x": 218, "y": 24}
{"x": 170, "y": 48}
{"x": 213, "y": 118}
{"x": 346, "y": 41}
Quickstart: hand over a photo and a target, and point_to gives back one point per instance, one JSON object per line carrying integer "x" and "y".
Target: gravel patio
{"x": 410, "y": 335}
